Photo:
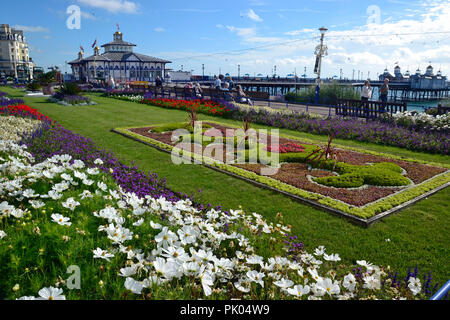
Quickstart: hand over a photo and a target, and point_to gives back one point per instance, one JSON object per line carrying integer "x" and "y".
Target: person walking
{"x": 384, "y": 91}
{"x": 366, "y": 91}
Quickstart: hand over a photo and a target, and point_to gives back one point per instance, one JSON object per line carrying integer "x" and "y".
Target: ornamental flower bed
{"x": 359, "y": 186}
{"x": 61, "y": 213}
{"x": 354, "y": 129}
{"x": 200, "y": 106}
{"x": 289, "y": 147}
{"x": 24, "y": 111}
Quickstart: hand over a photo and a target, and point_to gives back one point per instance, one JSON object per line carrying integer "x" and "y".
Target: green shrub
{"x": 384, "y": 174}
{"x": 69, "y": 89}
{"x": 329, "y": 93}
{"x": 34, "y": 86}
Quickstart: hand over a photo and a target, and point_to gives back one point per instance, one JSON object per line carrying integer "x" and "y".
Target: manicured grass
{"x": 419, "y": 235}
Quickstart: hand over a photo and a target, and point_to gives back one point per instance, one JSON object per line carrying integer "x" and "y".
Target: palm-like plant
{"x": 321, "y": 155}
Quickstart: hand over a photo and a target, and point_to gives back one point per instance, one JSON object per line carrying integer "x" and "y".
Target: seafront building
{"x": 118, "y": 62}
{"x": 419, "y": 81}
{"x": 15, "y": 61}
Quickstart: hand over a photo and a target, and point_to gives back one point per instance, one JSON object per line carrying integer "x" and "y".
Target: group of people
{"x": 226, "y": 85}
{"x": 367, "y": 91}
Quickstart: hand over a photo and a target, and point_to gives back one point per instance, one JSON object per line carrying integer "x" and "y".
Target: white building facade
{"x": 119, "y": 62}
{"x": 15, "y": 61}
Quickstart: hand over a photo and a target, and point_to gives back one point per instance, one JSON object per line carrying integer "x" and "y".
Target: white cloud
{"x": 298, "y": 32}
{"x": 113, "y": 6}
{"x": 88, "y": 16}
{"x": 252, "y": 16}
{"x": 159, "y": 29}
{"x": 31, "y": 28}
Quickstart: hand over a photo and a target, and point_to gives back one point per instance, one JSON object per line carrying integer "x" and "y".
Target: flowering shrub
{"x": 354, "y": 129}
{"x": 423, "y": 121}
{"x": 13, "y": 128}
{"x": 289, "y": 147}
{"x": 24, "y": 111}
{"x": 201, "y": 106}
{"x": 59, "y": 141}
{"x": 146, "y": 247}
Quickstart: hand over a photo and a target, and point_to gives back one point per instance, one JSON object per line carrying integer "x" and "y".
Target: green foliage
{"x": 70, "y": 89}
{"x": 353, "y": 176}
{"x": 177, "y": 125}
{"x": 47, "y": 78}
{"x": 329, "y": 93}
{"x": 34, "y": 86}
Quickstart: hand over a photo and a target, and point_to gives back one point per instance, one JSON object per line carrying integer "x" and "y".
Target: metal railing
{"x": 441, "y": 292}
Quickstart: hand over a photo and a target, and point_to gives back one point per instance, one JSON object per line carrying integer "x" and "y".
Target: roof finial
{"x": 118, "y": 27}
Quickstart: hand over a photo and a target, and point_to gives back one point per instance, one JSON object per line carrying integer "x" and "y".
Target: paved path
{"x": 323, "y": 111}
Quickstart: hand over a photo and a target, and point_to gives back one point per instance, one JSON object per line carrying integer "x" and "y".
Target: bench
{"x": 367, "y": 109}
{"x": 258, "y": 95}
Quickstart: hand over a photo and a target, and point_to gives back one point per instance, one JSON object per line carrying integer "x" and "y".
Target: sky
{"x": 363, "y": 37}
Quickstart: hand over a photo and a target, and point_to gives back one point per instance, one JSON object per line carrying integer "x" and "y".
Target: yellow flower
{"x": 16, "y": 287}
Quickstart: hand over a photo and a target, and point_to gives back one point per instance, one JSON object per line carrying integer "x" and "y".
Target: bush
{"x": 352, "y": 176}
{"x": 69, "y": 89}
{"x": 34, "y": 86}
{"x": 329, "y": 93}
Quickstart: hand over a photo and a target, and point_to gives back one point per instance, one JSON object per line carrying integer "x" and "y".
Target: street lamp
{"x": 321, "y": 51}
{"x": 239, "y": 72}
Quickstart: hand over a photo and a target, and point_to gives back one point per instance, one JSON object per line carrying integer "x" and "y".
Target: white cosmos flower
{"x": 299, "y": 290}
{"x": 61, "y": 220}
{"x": 88, "y": 182}
{"x": 70, "y": 204}
{"x": 329, "y": 286}
{"x": 102, "y": 254}
{"x": 80, "y": 175}
{"x": 207, "y": 279}
{"x": 331, "y": 257}
{"x": 371, "y": 283}
{"x": 98, "y": 161}
{"x": 155, "y": 226}
{"x": 255, "y": 260}
{"x": 166, "y": 238}
{"x": 78, "y": 164}
{"x": 284, "y": 283}
{"x": 2, "y": 234}
{"x": 365, "y": 264}
{"x": 319, "y": 251}
{"x": 255, "y": 276}
{"x": 51, "y": 294}
{"x": 349, "y": 282}
{"x": 128, "y": 271}
{"x": 138, "y": 223}
{"x": 30, "y": 193}
{"x": 134, "y": 286}
{"x": 414, "y": 285}
{"x": 314, "y": 274}
{"x": 166, "y": 269}
{"x": 242, "y": 286}
{"x": 55, "y": 195}
{"x": 102, "y": 186}
{"x": 86, "y": 194}
{"x": 36, "y": 204}
{"x": 6, "y": 209}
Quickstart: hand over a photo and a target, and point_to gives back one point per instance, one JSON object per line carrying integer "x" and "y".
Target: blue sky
{"x": 281, "y": 32}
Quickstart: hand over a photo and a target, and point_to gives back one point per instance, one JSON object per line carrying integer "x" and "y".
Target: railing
{"x": 441, "y": 292}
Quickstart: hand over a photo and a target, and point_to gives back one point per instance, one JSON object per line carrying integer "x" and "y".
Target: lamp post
{"x": 321, "y": 51}
{"x": 239, "y": 72}
{"x": 203, "y": 71}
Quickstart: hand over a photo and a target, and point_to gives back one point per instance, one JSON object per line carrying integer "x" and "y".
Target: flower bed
{"x": 422, "y": 121}
{"x": 201, "y": 106}
{"x": 343, "y": 128}
{"x": 61, "y": 213}
{"x": 361, "y": 190}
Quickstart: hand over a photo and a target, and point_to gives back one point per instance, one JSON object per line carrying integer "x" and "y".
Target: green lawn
{"x": 418, "y": 235}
